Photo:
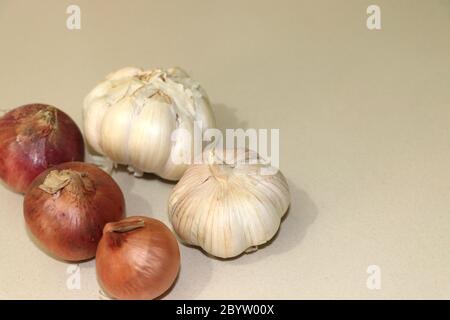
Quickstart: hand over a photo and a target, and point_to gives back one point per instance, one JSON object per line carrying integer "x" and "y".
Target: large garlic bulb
{"x": 131, "y": 118}
{"x": 227, "y": 208}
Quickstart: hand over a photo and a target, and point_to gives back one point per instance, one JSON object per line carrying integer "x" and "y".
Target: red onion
{"x": 67, "y": 206}
{"x": 33, "y": 138}
{"x": 137, "y": 258}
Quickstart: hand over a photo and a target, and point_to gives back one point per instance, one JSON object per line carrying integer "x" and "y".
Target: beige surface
{"x": 365, "y": 139}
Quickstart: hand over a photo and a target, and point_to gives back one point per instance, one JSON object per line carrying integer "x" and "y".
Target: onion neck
{"x": 116, "y": 233}
{"x": 125, "y": 226}
{"x": 42, "y": 123}
{"x": 47, "y": 116}
{"x": 73, "y": 181}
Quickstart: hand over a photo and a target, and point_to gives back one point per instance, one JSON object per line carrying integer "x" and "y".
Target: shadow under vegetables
{"x": 195, "y": 274}
{"x": 294, "y": 226}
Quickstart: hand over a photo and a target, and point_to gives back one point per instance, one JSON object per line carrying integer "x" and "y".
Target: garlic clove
{"x": 147, "y": 133}
{"x": 115, "y": 130}
{"x": 92, "y": 124}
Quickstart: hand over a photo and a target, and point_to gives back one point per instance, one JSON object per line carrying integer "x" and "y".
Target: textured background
{"x": 365, "y": 133}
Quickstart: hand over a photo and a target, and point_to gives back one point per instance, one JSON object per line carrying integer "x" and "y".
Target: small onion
{"x": 33, "y": 138}
{"x": 67, "y": 206}
{"x": 137, "y": 258}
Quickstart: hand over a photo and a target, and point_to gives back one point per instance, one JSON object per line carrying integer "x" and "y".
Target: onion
{"x": 33, "y": 138}
{"x": 137, "y": 258}
{"x": 67, "y": 206}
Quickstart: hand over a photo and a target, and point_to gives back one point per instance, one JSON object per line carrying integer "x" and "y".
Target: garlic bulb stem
{"x": 219, "y": 172}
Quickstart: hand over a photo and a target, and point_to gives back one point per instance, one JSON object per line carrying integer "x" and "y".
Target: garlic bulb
{"x": 131, "y": 116}
{"x": 227, "y": 208}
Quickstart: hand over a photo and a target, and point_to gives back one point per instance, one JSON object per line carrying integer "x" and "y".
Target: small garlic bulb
{"x": 226, "y": 207}
{"x": 131, "y": 116}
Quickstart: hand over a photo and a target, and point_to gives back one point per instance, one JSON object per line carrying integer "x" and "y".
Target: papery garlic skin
{"x": 228, "y": 209}
{"x": 131, "y": 116}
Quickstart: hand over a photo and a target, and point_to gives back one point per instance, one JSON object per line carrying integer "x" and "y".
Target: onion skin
{"x": 33, "y": 138}
{"x": 69, "y": 222}
{"x": 137, "y": 258}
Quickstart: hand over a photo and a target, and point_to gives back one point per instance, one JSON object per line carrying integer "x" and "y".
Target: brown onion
{"x": 137, "y": 258}
{"x": 33, "y": 138}
{"x": 67, "y": 206}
